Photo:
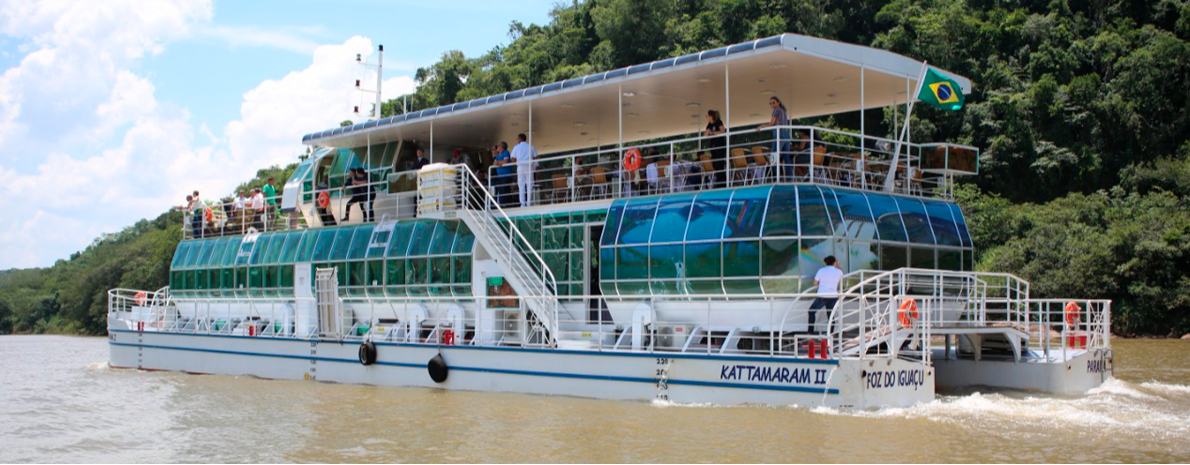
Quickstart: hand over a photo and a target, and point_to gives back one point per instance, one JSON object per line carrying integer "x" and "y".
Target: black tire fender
{"x": 437, "y": 368}
{"x": 367, "y": 353}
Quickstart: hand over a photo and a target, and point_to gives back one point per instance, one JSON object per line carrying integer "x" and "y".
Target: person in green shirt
{"x": 270, "y": 195}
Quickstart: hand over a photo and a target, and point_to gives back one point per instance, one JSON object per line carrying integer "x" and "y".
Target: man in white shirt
{"x": 524, "y": 154}
{"x": 258, "y": 209}
{"x": 827, "y": 279}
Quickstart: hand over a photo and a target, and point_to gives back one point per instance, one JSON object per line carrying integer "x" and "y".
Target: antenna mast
{"x": 379, "y": 67}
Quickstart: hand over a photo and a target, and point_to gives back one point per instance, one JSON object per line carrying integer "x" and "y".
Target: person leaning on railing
{"x": 717, "y": 146}
{"x": 361, "y": 193}
{"x": 505, "y": 174}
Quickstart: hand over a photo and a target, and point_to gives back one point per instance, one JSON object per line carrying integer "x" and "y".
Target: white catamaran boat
{"x": 653, "y": 260}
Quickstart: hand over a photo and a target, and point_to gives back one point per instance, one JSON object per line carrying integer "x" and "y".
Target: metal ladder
{"x": 496, "y": 231}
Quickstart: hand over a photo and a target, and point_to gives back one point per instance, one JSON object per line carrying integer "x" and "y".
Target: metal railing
{"x": 746, "y": 157}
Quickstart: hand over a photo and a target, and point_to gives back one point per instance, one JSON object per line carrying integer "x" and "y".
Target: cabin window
{"x": 814, "y": 218}
{"x": 275, "y": 246}
{"x": 893, "y": 257}
{"x": 950, "y": 260}
{"x": 781, "y": 217}
{"x": 359, "y": 241}
{"x": 398, "y": 244}
{"x": 943, "y": 224}
{"x": 863, "y": 256}
{"x": 342, "y": 243}
{"x": 917, "y": 224}
{"x": 293, "y": 243}
{"x": 259, "y": 251}
{"x": 921, "y": 258}
{"x": 810, "y": 256}
{"x": 611, "y": 227}
{"x": 779, "y": 257}
{"x": 704, "y": 260}
{"x": 673, "y": 213}
{"x": 741, "y": 258}
{"x": 888, "y": 218}
{"x": 857, "y": 221}
{"x": 443, "y": 238}
{"x": 666, "y": 261}
{"x": 322, "y": 249}
{"x": 638, "y": 221}
{"x": 745, "y": 214}
{"x": 419, "y": 238}
{"x": 707, "y": 215}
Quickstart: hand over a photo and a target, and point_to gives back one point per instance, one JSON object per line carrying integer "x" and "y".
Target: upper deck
{"x": 584, "y": 127}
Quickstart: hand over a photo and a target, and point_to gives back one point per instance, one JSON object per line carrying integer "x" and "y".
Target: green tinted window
{"x": 379, "y": 240}
{"x": 632, "y": 262}
{"x": 704, "y": 260}
{"x": 275, "y": 246}
{"x": 293, "y": 243}
{"x": 359, "y": 241}
{"x": 322, "y": 249}
{"x": 638, "y": 220}
{"x": 229, "y": 252}
{"x": 419, "y": 238}
{"x": 465, "y": 242}
{"x": 398, "y": 245}
{"x": 261, "y": 249}
{"x": 781, "y": 219}
{"x": 672, "y": 215}
{"x": 741, "y": 258}
{"x": 342, "y": 243}
{"x": 612, "y": 227}
{"x": 666, "y": 261}
{"x": 180, "y": 255}
{"x": 443, "y": 238}
{"x": 779, "y": 257}
{"x": 917, "y": 224}
{"x": 813, "y": 213}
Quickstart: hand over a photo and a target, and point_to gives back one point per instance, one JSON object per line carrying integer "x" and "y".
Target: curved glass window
{"x": 443, "y": 238}
{"x": 961, "y": 224}
{"x": 464, "y": 243}
{"x": 888, "y": 218}
{"x": 230, "y": 250}
{"x": 420, "y": 236}
{"x": 815, "y": 221}
{"x": 379, "y": 241}
{"x": 322, "y": 248}
{"x": 781, "y": 218}
{"x": 942, "y": 223}
{"x": 342, "y": 243}
{"x": 398, "y": 245}
{"x": 857, "y": 221}
{"x": 260, "y": 250}
{"x": 673, "y": 213}
{"x": 917, "y": 223}
{"x": 359, "y": 242}
{"x": 293, "y": 243}
{"x": 708, "y": 214}
{"x": 275, "y": 246}
{"x": 180, "y": 256}
{"x": 215, "y": 254}
{"x": 638, "y": 220}
{"x": 611, "y": 227}
{"x": 745, "y": 213}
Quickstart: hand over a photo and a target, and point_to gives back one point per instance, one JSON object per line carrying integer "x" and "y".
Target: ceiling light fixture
{"x": 579, "y": 124}
{"x": 567, "y": 105}
{"x": 704, "y": 80}
{"x": 693, "y": 105}
{"x": 840, "y": 79}
{"x": 630, "y": 94}
{"x": 632, "y": 114}
{"x": 767, "y": 92}
{"x": 777, "y": 65}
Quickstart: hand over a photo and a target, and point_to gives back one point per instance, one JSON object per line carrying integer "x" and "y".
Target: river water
{"x": 59, "y": 402}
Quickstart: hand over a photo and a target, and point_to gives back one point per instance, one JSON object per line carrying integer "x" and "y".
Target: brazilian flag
{"x": 941, "y": 92}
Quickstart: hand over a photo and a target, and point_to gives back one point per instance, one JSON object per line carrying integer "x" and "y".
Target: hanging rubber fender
{"x": 438, "y": 369}
{"x": 907, "y": 312}
{"x": 324, "y": 200}
{"x": 367, "y": 353}
{"x": 1072, "y": 311}
{"x": 632, "y": 159}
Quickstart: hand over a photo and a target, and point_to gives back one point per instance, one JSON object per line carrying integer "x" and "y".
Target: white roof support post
{"x": 727, "y": 104}
{"x": 862, "y": 135}
{"x": 432, "y": 141}
{"x": 530, "y": 122}
{"x": 620, "y": 141}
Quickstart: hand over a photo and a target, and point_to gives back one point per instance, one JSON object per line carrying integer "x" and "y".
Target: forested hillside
{"x": 1080, "y": 108}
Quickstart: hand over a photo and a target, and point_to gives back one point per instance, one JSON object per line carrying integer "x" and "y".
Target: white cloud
{"x": 88, "y": 147}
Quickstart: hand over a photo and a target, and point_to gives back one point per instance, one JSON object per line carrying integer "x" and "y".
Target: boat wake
{"x": 1117, "y": 408}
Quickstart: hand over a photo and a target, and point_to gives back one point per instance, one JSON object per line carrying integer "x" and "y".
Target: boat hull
{"x": 679, "y": 378}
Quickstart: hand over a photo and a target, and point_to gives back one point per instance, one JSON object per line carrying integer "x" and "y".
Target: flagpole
{"x": 892, "y": 170}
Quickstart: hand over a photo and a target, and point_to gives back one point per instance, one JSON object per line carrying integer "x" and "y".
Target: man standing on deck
{"x": 524, "y": 154}
{"x": 421, "y": 159}
{"x": 270, "y": 194}
{"x": 827, "y": 279}
{"x": 504, "y": 174}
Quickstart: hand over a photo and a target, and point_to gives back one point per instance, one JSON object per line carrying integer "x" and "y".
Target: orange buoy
{"x": 1072, "y": 311}
{"x": 141, "y": 297}
{"x": 324, "y": 199}
{"x": 632, "y": 159}
{"x": 907, "y": 313}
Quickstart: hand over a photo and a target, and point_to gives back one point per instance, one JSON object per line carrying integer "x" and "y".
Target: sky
{"x": 113, "y": 110}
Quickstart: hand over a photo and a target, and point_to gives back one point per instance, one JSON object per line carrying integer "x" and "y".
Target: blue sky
{"x": 112, "y": 110}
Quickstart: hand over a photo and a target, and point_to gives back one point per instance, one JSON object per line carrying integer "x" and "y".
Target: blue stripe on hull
{"x": 504, "y": 371}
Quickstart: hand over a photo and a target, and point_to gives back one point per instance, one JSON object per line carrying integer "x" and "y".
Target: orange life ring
{"x": 448, "y": 338}
{"x": 632, "y": 159}
{"x": 907, "y": 313}
{"x": 209, "y": 215}
{"x": 141, "y": 297}
{"x": 324, "y": 199}
{"x": 1072, "y": 311}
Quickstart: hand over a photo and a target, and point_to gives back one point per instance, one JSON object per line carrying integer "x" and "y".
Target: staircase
{"x": 466, "y": 198}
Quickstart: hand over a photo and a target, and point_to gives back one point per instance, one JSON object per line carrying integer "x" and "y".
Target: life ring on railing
{"x": 141, "y": 297}
{"x": 324, "y": 199}
{"x": 632, "y": 159}
{"x": 1071, "y": 313}
{"x": 907, "y": 312}
{"x": 208, "y": 215}
{"x": 448, "y": 338}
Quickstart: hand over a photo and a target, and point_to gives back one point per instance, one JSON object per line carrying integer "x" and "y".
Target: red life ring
{"x": 209, "y": 215}
{"x": 1072, "y": 311}
{"x": 907, "y": 313}
{"x": 141, "y": 297}
{"x": 632, "y": 159}
{"x": 448, "y": 338}
{"x": 324, "y": 199}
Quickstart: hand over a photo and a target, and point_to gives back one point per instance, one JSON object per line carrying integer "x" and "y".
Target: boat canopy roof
{"x": 812, "y": 76}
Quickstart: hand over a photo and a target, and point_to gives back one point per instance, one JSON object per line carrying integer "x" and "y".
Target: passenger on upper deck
{"x": 421, "y": 159}
{"x": 361, "y": 193}
{"x": 270, "y": 194}
{"x": 504, "y": 174}
{"x": 780, "y": 117}
{"x": 258, "y": 209}
{"x": 716, "y": 146}
{"x": 524, "y": 154}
